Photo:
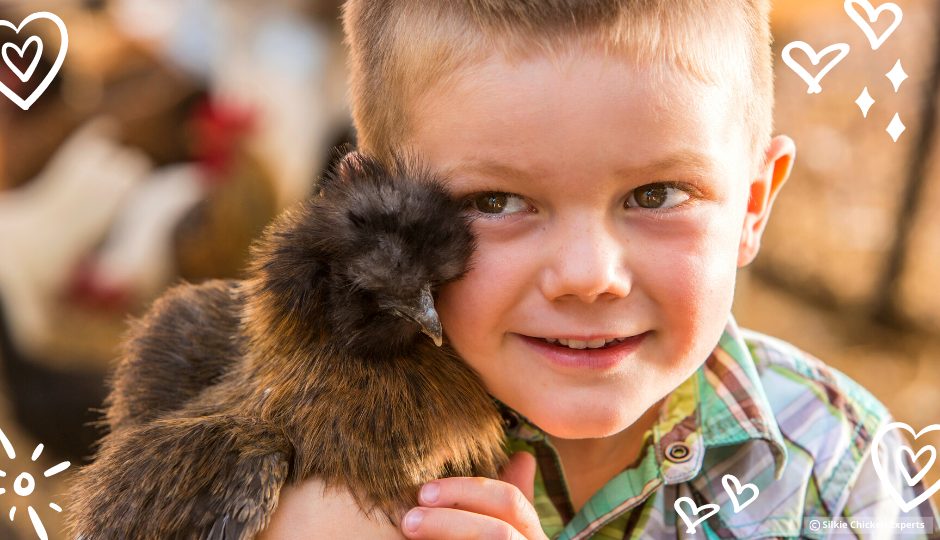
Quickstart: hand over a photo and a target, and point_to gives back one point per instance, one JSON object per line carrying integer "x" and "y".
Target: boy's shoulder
{"x": 792, "y": 400}
{"x": 828, "y": 423}
{"x": 823, "y": 415}
{"x": 785, "y": 369}
{"x": 821, "y": 422}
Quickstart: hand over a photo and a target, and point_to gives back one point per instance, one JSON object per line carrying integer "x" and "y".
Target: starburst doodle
{"x": 24, "y": 485}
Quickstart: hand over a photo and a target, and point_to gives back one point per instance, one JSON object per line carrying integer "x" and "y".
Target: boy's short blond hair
{"x": 400, "y": 49}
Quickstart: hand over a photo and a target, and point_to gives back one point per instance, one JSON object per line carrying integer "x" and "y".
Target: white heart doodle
{"x": 695, "y": 510}
{"x": 873, "y": 16}
{"x": 738, "y": 488}
{"x": 918, "y": 476}
{"x": 813, "y": 83}
{"x": 22, "y": 54}
{"x": 879, "y": 469}
{"x": 27, "y": 103}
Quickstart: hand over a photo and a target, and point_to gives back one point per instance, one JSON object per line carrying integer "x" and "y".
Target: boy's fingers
{"x": 520, "y": 472}
{"x": 493, "y": 498}
{"x": 449, "y": 524}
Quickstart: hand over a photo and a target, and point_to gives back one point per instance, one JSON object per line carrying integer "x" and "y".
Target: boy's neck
{"x": 588, "y": 464}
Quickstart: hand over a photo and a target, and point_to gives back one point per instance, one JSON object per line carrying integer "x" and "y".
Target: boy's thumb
{"x": 520, "y": 472}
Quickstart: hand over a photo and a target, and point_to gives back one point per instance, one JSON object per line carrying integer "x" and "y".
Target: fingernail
{"x": 413, "y": 519}
{"x": 430, "y": 492}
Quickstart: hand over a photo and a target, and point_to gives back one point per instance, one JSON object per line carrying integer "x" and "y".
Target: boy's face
{"x": 606, "y": 207}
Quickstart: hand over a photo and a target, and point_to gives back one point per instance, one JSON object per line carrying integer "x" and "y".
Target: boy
{"x": 617, "y": 156}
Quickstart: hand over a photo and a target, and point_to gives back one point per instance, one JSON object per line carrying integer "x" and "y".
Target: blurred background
{"x": 176, "y": 129}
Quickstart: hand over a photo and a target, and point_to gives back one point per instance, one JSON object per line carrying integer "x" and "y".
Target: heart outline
{"x": 905, "y": 506}
{"x": 738, "y": 488}
{"x": 872, "y": 17}
{"x": 25, "y": 104}
{"x": 22, "y": 54}
{"x": 697, "y": 509}
{"x": 814, "y": 57}
{"x": 923, "y": 471}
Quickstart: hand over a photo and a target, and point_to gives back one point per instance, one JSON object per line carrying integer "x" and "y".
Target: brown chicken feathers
{"x": 322, "y": 363}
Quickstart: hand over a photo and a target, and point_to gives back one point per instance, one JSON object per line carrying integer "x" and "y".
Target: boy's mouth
{"x": 592, "y": 355}
{"x": 578, "y": 344}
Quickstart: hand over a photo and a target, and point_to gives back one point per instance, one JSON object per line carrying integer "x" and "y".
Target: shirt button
{"x": 678, "y": 452}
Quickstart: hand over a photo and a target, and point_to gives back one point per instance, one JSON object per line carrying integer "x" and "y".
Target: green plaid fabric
{"x": 765, "y": 412}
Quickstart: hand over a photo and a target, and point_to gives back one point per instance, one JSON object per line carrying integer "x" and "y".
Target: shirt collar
{"x": 722, "y": 403}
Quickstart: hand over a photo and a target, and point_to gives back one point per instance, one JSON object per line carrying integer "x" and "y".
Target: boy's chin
{"x": 581, "y": 432}
{"x": 573, "y": 424}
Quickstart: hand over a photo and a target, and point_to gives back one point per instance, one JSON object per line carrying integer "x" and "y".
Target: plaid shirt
{"x": 763, "y": 411}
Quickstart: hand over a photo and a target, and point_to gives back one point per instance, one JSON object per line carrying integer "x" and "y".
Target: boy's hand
{"x": 478, "y": 508}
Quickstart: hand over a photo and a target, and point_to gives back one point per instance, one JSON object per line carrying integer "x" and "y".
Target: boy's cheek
{"x": 692, "y": 290}
{"x": 496, "y": 282}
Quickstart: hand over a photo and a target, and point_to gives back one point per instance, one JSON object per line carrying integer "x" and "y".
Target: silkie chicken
{"x": 327, "y": 362}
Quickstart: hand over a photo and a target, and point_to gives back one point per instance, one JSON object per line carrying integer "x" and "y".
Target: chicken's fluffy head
{"x": 365, "y": 256}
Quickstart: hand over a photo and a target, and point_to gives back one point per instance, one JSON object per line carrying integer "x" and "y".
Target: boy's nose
{"x": 585, "y": 260}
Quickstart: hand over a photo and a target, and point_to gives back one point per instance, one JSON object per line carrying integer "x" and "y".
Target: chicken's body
{"x": 315, "y": 366}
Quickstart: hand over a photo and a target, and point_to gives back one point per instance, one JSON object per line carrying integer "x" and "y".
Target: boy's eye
{"x": 656, "y": 196}
{"x": 496, "y": 202}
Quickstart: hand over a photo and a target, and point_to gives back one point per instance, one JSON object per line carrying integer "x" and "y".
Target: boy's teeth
{"x": 576, "y": 344}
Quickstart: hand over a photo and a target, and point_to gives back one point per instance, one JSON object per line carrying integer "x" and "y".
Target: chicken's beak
{"x": 425, "y": 316}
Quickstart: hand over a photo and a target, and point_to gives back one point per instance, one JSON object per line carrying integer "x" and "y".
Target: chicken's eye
{"x": 497, "y": 202}
{"x": 658, "y": 196}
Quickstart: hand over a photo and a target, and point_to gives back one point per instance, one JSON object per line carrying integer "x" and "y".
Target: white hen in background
{"x": 47, "y": 224}
{"x": 137, "y": 256}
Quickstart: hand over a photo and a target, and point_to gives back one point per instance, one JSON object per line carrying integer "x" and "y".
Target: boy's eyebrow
{"x": 488, "y": 168}
{"x": 684, "y": 159}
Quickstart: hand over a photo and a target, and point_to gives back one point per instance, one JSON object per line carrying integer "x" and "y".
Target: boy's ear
{"x": 778, "y": 161}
